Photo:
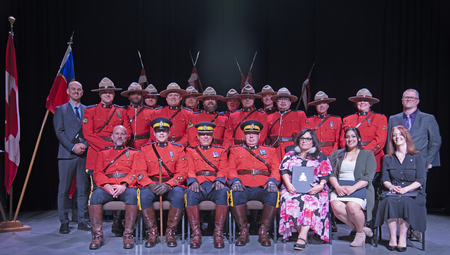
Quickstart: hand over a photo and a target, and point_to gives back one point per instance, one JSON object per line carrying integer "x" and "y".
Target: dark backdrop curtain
{"x": 385, "y": 46}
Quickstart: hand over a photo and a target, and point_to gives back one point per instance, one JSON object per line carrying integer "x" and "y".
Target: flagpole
{"x": 195, "y": 68}
{"x": 304, "y": 87}
{"x": 142, "y": 65}
{"x": 251, "y": 66}
{"x": 11, "y": 21}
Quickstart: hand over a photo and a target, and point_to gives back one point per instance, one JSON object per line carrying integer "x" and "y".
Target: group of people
{"x": 187, "y": 155}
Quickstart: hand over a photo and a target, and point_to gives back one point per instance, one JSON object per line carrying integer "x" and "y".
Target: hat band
{"x": 249, "y": 127}
{"x": 158, "y": 125}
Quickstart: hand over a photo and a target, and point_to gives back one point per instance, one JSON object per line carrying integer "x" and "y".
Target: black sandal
{"x": 300, "y": 247}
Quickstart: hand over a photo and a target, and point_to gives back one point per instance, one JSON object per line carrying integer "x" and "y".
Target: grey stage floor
{"x": 45, "y": 239}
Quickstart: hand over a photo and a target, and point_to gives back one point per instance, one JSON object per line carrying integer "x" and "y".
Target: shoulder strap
{"x": 323, "y": 121}
{"x": 112, "y": 161}
{"x": 175, "y": 114}
{"x": 284, "y": 114}
{"x": 140, "y": 110}
{"x": 368, "y": 116}
{"x": 257, "y": 157}
{"x": 162, "y": 162}
{"x": 107, "y": 121}
{"x": 206, "y": 159}
{"x": 215, "y": 117}
{"x": 234, "y": 132}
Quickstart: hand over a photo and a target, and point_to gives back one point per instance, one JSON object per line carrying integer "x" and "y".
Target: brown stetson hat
{"x": 151, "y": 90}
{"x": 231, "y": 94}
{"x": 363, "y": 95}
{"x": 134, "y": 87}
{"x": 208, "y": 93}
{"x": 106, "y": 84}
{"x": 284, "y": 92}
{"x": 173, "y": 87}
{"x": 321, "y": 97}
{"x": 267, "y": 90}
{"x": 191, "y": 91}
{"x": 248, "y": 90}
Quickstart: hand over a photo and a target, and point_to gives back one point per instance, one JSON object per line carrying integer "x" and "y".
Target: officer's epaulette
{"x": 222, "y": 114}
{"x": 239, "y": 145}
{"x": 90, "y": 106}
{"x": 145, "y": 144}
{"x": 217, "y": 146}
{"x": 238, "y": 110}
{"x": 199, "y": 111}
{"x": 186, "y": 108}
{"x": 191, "y": 147}
{"x": 159, "y": 107}
{"x": 120, "y": 106}
{"x": 106, "y": 148}
{"x": 133, "y": 149}
{"x": 261, "y": 110}
{"x": 177, "y": 144}
{"x": 266, "y": 146}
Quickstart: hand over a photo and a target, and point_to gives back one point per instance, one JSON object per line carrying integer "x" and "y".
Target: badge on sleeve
{"x": 171, "y": 154}
{"x": 215, "y": 154}
{"x": 85, "y": 120}
{"x": 262, "y": 152}
{"x": 140, "y": 177}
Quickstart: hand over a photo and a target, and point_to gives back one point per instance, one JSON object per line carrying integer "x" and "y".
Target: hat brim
{"x": 328, "y": 100}
{"x": 167, "y": 91}
{"x": 244, "y": 95}
{"x": 217, "y": 97}
{"x": 126, "y": 93}
{"x": 114, "y": 89}
{"x": 356, "y": 99}
{"x": 292, "y": 97}
{"x": 148, "y": 95}
{"x": 266, "y": 93}
{"x": 193, "y": 95}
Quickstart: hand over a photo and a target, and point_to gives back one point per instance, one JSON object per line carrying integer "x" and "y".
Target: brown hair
{"x": 409, "y": 142}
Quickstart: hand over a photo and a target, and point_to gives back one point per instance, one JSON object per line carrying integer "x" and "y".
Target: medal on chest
{"x": 171, "y": 154}
{"x": 262, "y": 152}
{"x": 215, "y": 154}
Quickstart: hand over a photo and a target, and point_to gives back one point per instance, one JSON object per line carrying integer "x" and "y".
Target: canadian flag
{"x": 143, "y": 79}
{"x": 12, "y": 120}
{"x": 193, "y": 79}
{"x": 306, "y": 96}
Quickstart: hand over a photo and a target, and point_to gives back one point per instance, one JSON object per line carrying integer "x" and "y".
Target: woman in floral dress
{"x": 302, "y": 211}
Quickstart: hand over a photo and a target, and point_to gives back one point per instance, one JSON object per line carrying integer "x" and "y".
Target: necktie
{"x": 408, "y": 122}
{"x": 78, "y": 115}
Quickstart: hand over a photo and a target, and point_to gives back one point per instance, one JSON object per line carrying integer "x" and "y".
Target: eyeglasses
{"x": 305, "y": 139}
{"x": 410, "y": 98}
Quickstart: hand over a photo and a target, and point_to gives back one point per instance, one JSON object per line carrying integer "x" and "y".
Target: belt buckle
{"x": 116, "y": 174}
{"x": 253, "y": 172}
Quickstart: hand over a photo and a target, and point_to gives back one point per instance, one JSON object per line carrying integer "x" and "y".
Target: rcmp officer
{"x": 98, "y": 123}
{"x": 267, "y": 92}
{"x": 327, "y": 127}
{"x": 208, "y": 169}
{"x": 254, "y": 175}
{"x": 190, "y": 99}
{"x": 248, "y": 112}
{"x": 180, "y": 116}
{"x": 372, "y": 127}
{"x": 232, "y": 102}
{"x": 173, "y": 169}
{"x": 285, "y": 124}
{"x": 209, "y": 114}
{"x": 151, "y": 99}
{"x": 116, "y": 180}
{"x": 138, "y": 115}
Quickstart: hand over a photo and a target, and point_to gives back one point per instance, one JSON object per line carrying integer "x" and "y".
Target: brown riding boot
{"x": 150, "y": 221}
{"x": 95, "y": 213}
{"x": 172, "y": 222}
{"x": 117, "y": 226}
{"x": 267, "y": 218}
{"x": 130, "y": 220}
{"x": 221, "y": 215}
{"x": 240, "y": 215}
{"x": 194, "y": 220}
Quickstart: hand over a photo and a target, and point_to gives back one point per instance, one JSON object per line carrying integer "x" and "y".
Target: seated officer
{"x": 253, "y": 175}
{"x": 115, "y": 179}
{"x": 173, "y": 168}
{"x": 208, "y": 169}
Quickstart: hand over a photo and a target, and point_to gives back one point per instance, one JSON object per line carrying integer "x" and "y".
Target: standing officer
{"x": 116, "y": 180}
{"x": 190, "y": 99}
{"x": 98, "y": 123}
{"x": 232, "y": 102}
{"x": 169, "y": 159}
{"x": 209, "y": 114}
{"x": 208, "y": 169}
{"x": 151, "y": 99}
{"x": 180, "y": 116}
{"x": 71, "y": 157}
{"x": 267, "y": 92}
{"x": 248, "y": 112}
{"x": 253, "y": 175}
{"x": 138, "y": 115}
{"x": 285, "y": 124}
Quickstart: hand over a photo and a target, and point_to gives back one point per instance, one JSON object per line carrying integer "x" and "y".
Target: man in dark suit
{"x": 71, "y": 157}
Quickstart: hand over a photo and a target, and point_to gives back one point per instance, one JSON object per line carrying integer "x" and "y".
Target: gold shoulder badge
{"x": 140, "y": 177}
{"x": 85, "y": 120}
{"x": 118, "y": 114}
{"x": 190, "y": 124}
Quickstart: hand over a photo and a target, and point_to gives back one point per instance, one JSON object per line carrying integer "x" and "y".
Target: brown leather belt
{"x": 239, "y": 142}
{"x": 365, "y": 143}
{"x": 174, "y": 139}
{"x": 253, "y": 172}
{"x": 106, "y": 138}
{"x": 144, "y": 136}
{"x": 116, "y": 175}
{"x": 326, "y": 144}
{"x": 206, "y": 173}
{"x": 156, "y": 178}
{"x": 217, "y": 141}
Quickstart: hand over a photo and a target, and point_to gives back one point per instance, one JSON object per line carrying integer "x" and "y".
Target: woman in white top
{"x": 353, "y": 163}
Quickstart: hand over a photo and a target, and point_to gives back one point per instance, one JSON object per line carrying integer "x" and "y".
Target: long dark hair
{"x": 315, "y": 140}
{"x": 337, "y": 161}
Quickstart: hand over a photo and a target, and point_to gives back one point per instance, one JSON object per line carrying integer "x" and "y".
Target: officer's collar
{"x": 322, "y": 116}
{"x": 204, "y": 147}
{"x": 161, "y": 144}
{"x": 247, "y": 109}
{"x": 268, "y": 109}
{"x": 135, "y": 106}
{"x": 117, "y": 147}
{"x": 211, "y": 112}
{"x": 283, "y": 112}
{"x": 106, "y": 105}
{"x": 254, "y": 147}
{"x": 174, "y": 107}
{"x": 363, "y": 113}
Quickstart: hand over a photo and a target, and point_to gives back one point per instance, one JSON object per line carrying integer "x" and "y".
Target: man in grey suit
{"x": 71, "y": 157}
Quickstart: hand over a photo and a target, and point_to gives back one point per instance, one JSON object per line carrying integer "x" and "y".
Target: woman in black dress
{"x": 403, "y": 176}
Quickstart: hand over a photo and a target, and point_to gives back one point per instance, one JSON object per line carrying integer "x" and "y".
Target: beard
{"x": 211, "y": 107}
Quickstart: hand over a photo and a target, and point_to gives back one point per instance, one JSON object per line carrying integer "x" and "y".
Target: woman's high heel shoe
{"x": 360, "y": 240}
{"x": 368, "y": 232}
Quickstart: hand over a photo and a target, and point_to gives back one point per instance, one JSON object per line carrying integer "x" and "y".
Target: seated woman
{"x": 302, "y": 211}
{"x": 353, "y": 163}
{"x": 403, "y": 173}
